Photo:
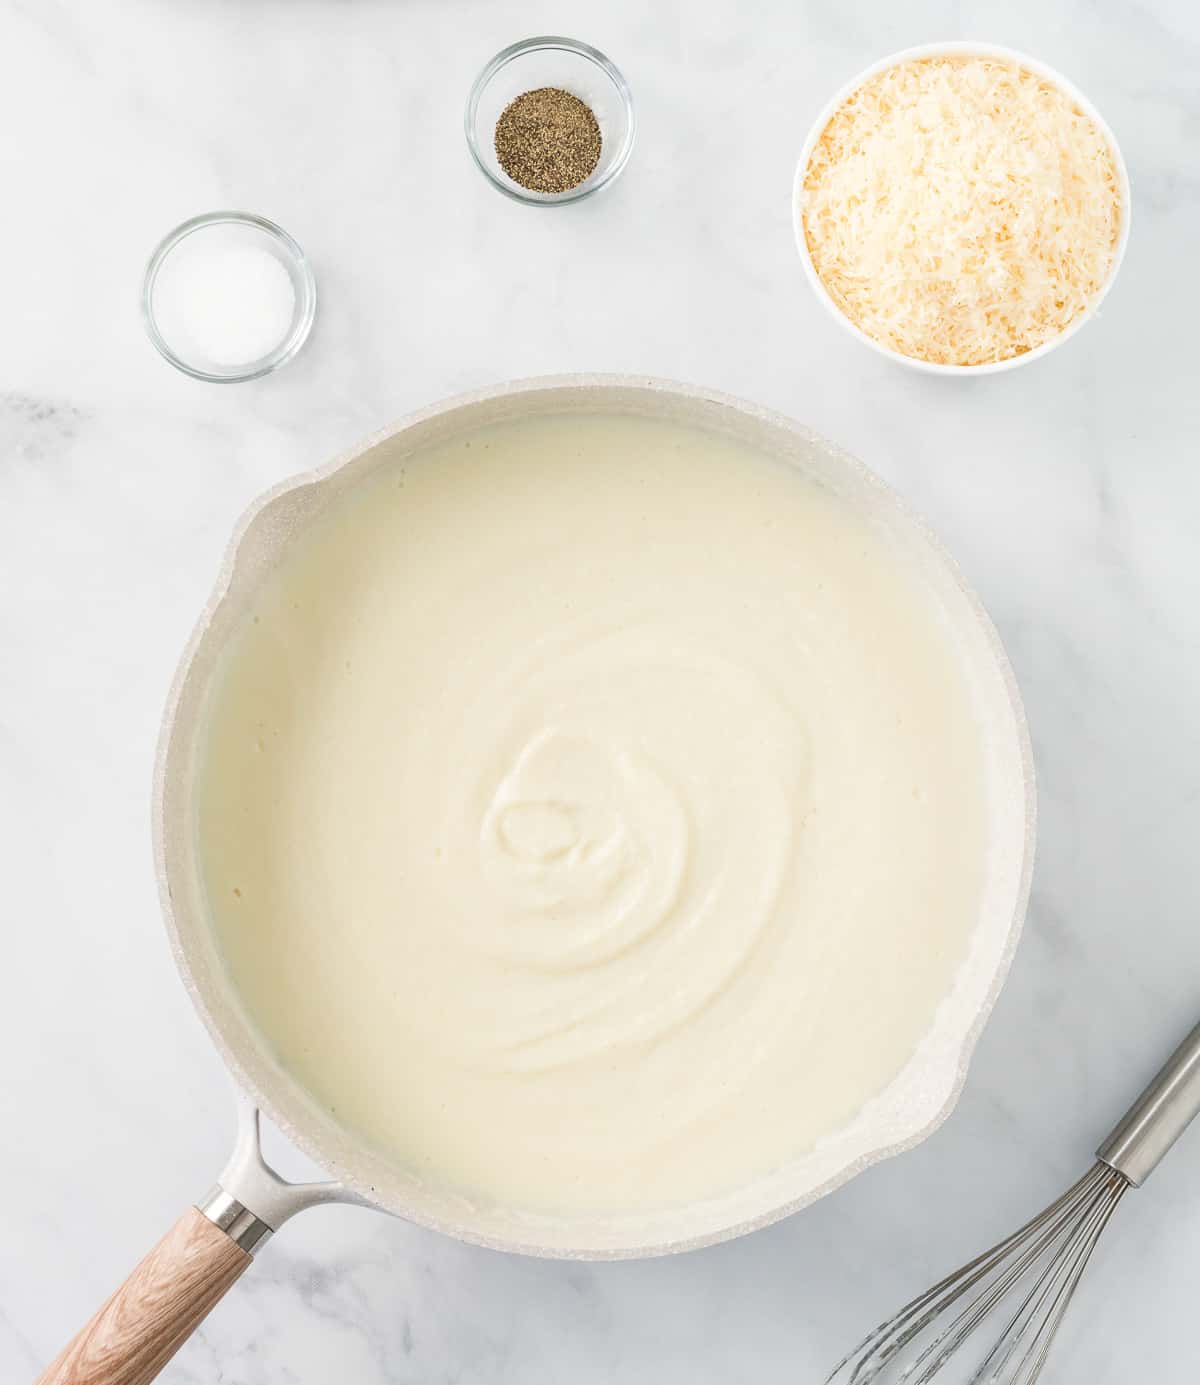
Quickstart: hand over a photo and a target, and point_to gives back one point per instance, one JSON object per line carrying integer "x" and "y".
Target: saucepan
{"x": 140, "y": 1327}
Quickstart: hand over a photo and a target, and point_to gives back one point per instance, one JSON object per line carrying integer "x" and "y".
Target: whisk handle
{"x": 1158, "y": 1117}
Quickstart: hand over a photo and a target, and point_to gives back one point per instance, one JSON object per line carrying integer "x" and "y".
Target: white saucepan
{"x": 168, "y": 1294}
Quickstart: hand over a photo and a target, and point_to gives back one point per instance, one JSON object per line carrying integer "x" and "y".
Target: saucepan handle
{"x": 167, "y": 1296}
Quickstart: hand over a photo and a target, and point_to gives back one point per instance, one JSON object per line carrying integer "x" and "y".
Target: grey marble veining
{"x": 1069, "y": 492}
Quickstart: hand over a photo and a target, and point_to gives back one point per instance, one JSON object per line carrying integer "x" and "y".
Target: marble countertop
{"x": 1069, "y": 492}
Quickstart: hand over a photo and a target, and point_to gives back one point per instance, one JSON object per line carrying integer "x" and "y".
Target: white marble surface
{"x": 1069, "y": 492}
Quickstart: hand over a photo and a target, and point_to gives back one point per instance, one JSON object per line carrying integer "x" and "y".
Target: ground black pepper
{"x": 548, "y": 140}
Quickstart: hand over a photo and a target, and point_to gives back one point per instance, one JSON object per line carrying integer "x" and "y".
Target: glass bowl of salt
{"x": 228, "y": 296}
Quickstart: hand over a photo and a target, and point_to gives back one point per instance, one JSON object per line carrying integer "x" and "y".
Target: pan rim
{"x": 467, "y": 1224}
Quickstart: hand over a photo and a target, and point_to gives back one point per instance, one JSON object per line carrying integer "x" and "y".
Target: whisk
{"x": 1026, "y": 1283}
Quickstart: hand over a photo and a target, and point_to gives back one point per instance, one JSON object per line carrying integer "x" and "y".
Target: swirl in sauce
{"x": 592, "y": 813}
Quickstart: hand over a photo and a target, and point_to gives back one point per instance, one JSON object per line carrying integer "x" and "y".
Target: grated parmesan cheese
{"x": 962, "y": 210}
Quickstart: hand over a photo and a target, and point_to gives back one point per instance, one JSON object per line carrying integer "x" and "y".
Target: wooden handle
{"x": 169, "y": 1294}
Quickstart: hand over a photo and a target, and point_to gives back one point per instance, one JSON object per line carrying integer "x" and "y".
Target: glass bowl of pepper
{"x": 550, "y": 120}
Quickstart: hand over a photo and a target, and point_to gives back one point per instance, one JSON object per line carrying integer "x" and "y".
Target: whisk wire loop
{"x": 1048, "y": 1254}
{"x": 1044, "y": 1305}
{"x": 1056, "y": 1244}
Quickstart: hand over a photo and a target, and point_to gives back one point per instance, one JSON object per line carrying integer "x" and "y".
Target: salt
{"x": 222, "y": 298}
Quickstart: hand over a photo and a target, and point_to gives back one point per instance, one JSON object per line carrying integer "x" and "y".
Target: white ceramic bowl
{"x": 937, "y": 50}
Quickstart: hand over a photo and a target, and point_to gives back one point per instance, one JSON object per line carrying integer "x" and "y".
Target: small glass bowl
{"x": 253, "y": 230}
{"x": 551, "y": 62}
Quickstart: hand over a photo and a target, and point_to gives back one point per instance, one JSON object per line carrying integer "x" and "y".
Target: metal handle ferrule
{"x": 1158, "y": 1117}
{"x": 239, "y": 1223}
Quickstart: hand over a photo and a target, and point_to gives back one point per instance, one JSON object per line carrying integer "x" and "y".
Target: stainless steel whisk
{"x": 1038, "y": 1268}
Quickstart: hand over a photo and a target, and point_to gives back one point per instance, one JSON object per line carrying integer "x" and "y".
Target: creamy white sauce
{"x": 592, "y": 813}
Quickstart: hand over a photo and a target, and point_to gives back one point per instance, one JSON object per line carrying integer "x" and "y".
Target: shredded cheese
{"x": 962, "y": 210}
